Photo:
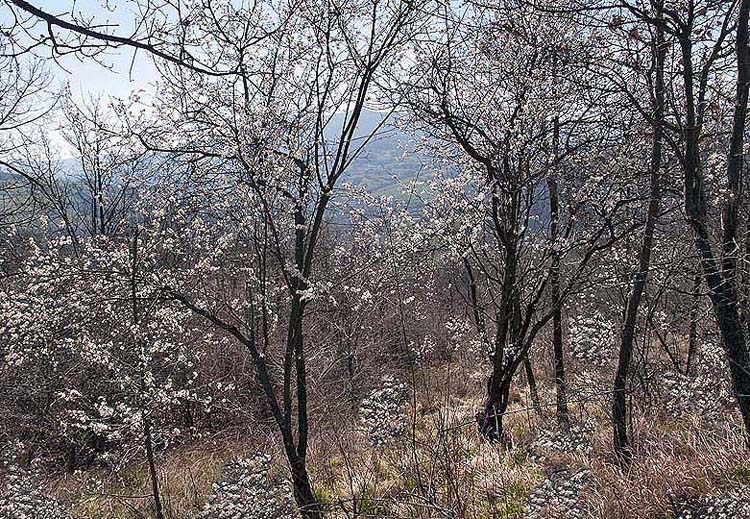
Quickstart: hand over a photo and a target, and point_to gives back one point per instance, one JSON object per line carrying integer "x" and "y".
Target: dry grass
{"x": 683, "y": 460}
{"x": 186, "y": 474}
{"x": 442, "y": 464}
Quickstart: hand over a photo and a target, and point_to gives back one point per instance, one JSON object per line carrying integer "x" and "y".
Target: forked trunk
{"x": 490, "y": 420}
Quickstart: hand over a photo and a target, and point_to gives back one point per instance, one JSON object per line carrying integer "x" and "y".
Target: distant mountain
{"x": 385, "y": 161}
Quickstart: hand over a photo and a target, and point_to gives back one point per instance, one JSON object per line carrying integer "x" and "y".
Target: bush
{"x": 22, "y": 498}
{"x": 383, "y": 411}
{"x": 249, "y": 492}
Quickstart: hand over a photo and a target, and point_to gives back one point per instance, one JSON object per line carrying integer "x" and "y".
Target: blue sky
{"x": 114, "y": 77}
{"x": 87, "y": 77}
{"x": 92, "y": 78}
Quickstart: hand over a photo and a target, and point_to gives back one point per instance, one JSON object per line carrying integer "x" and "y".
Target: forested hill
{"x": 387, "y": 161}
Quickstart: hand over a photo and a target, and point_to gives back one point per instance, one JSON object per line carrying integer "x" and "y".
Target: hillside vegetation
{"x": 375, "y": 259}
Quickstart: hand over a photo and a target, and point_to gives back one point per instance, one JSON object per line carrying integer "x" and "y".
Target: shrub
{"x": 249, "y": 492}
{"x": 383, "y": 411}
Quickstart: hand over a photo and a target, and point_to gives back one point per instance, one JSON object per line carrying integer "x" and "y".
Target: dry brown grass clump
{"x": 673, "y": 462}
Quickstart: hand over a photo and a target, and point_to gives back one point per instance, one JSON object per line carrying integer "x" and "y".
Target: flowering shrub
{"x": 68, "y": 333}
{"x": 557, "y": 496}
{"x": 713, "y": 507}
{"x": 573, "y": 441}
{"x": 457, "y": 330}
{"x": 248, "y": 492}
{"x": 706, "y": 392}
{"x": 22, "y": 498}
{"x": 592, "y": 338}
{"x": 422, "y": 351}
{"x": 383, "y": 411}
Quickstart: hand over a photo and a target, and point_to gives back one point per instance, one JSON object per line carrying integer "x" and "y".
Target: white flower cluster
{"x": 22, "y": 498}
{"x": 714, "y": 507}
{"x": 249, "y": 492}
{"x": 557, "y": 496}
{"x": 65, "y": 323}
{"x": 592, "y": 338}
{"x": 457, "y": 329}
{"x": 554, "y": 440}
{"x": 383, "y": 411}
{"x": 705, "y": 393}
{"x": 693, "y": 395}
{"x": 423, "y": 349}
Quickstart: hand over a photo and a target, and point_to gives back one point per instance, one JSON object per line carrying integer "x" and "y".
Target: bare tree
{"x": 700, "y": 60}
{"x": 498, "y": 121}
{"x": 656, "y": 120}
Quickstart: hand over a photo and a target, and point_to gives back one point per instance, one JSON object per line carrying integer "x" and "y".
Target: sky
{"x": 92, "y": 79}
{"x": 121, "y": 72}
{"x": 114, "y": 77}
{"x": 118, "y": 75}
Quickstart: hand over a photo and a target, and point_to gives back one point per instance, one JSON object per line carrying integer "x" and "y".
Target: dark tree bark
{"x": 489, "y": 419}
{"x": 295, "y": 451}
{"x": 307, "y": 503}
{"x": 735, "y": 159}
{"x": 693, "y": 331}
{"x": 533, "y": 390}
{"x": 561, "y": 397}
{"x": 498, "y": 385}
{"x": 527, "y": 365}
{"x": 158, "y": 512}
{"x": 720, "y": 278}
{"x": 627, "y": 338}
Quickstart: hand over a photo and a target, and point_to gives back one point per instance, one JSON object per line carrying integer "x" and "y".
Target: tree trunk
{"x": 561, "y": 397}
{"x": 693, "y": 332}
{"x": 158, "y": 513}
{"x": 619, "y": 401}
{"x": 745, "y": 277}
{"x": 490, "y": 421}
{"x": 308, "y": 505}
{"x": 720, "y": 278}
{"x": 736, "y": 344}
{"x": 498, "y": 386}
{"x": 730, "y": 216}
{"x": 533, "y": 391}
